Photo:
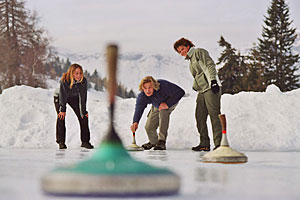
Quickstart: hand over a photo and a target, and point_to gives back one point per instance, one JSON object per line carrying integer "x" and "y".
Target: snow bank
{"x": 267, "y": 121}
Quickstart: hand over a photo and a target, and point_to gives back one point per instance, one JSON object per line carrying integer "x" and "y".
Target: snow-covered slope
{"x": 267, "y": 121}
{"x": 134, "y": 66}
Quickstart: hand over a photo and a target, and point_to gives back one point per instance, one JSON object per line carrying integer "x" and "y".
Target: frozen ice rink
{"x": 266, "y": 175}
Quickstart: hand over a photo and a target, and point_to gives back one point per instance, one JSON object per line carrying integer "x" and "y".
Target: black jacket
{"x": 78, "y": 90}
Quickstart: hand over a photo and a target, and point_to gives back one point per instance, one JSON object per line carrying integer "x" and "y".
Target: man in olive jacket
{"x": 207, "y": 84}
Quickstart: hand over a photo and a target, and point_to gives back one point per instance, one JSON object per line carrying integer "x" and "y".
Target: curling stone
{"x": 224, "y": 154}
{"x": 134, "y": 146}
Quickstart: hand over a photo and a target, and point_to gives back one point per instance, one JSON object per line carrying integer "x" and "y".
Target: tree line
{"x": 57, "y": 66}
{"x": 271, "y": 61}
{"x": 26, "y": 56}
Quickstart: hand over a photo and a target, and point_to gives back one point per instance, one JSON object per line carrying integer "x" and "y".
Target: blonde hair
{"x": 68, "y": 76}
{"x": 149, "y": 79}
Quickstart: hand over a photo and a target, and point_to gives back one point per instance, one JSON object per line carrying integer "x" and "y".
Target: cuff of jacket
{"x": 62, "y": 109}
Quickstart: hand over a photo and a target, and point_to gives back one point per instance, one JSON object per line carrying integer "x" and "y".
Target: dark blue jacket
{"x": 168, "y": 92}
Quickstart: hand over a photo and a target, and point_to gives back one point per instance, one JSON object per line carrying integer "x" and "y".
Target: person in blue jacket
{"x": 164, "y": 97}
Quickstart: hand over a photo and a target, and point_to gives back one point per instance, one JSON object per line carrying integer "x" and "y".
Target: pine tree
{"x": 233, "y": 71}
{"x": 131, "y": 94}
{"x": 255, "y": 72}
{"x": 87, "y": 75}
{"x": 275, "y": 48}
{"x": 66, "y": 65}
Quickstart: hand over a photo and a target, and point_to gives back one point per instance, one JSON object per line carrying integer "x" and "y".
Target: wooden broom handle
{"x": 112, "y": 57}
{"x": 223, "y": 122}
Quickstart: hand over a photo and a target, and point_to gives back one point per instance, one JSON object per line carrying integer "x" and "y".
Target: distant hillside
{"x": 134, "y": 66}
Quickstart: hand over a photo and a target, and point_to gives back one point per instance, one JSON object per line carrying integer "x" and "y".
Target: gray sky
{"x": 153, "y": 25}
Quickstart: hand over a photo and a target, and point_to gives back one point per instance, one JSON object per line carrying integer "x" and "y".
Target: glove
{"x": 214, "y": 86}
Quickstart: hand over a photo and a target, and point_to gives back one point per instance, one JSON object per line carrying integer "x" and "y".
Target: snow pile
{"x": 267, "y": 121}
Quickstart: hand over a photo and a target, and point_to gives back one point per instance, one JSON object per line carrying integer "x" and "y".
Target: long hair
{"x": 183, "y": 42}
{"x": 68, "y": 76}
{"x": 148, "y": 79}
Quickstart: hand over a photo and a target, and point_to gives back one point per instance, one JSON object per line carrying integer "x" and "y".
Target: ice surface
{"x": 267, "y": 175}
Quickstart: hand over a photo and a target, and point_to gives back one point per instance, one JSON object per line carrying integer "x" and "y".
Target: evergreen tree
{"x": 131, "y": 94}
{"x": 275, "y": 48}
{"x": 87, "y": 75}
{"x": 66, "y": 65}
{"x": 233, "y": 71}
{"x": 95, "y": 74}
{"x": 255, "y": 73}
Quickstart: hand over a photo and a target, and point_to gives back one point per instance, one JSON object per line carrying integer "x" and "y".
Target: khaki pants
{"x": 208, "y": 103}
{"x": 157, "y": 119}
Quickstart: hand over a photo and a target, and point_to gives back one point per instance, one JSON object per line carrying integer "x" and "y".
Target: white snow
{"x": 266, "y": 121}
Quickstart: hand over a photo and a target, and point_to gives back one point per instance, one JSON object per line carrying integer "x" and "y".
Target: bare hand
{"x": 163, "y": 106}
{"x": 61, "y": 115}
{"x": 134, "y": 127}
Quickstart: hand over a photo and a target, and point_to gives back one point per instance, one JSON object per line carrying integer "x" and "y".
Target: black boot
{"x": 62, "y": 146}
{"x": 87, "y": 145}
{"x": 200, "y": 148}
{"x": 160, "y": 145}
{"x": 216, "y": 147}
{"x": 148, "y": 146}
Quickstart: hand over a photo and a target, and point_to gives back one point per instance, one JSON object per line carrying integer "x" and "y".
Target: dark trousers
{"x": 61, "y": 126}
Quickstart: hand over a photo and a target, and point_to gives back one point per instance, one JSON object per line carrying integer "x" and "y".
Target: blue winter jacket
{"x": 168, "y": 92}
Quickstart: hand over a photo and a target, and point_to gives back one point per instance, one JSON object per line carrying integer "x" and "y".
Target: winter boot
{"x": 160, "y": 145}
{"x": 62, "y": 146}
{"x": 148, "y": 145}
{"x": 87, "y": 145}
{"x": 200, "y": 148}
{"x": 216, "y": 147}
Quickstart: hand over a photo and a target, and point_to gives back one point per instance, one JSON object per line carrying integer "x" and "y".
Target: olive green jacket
{"x": 203, "y": 69}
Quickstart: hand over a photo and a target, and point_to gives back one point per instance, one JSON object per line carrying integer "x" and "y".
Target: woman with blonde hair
{"x": 72, "y": 90}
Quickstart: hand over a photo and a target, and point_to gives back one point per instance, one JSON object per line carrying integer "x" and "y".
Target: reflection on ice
{"x": 267, "y": 175}
{"x": 211, "y": 175}
{"x": 157, "y": 155}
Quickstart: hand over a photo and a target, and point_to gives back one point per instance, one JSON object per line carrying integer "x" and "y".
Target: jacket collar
{"x": 190, "y": 53}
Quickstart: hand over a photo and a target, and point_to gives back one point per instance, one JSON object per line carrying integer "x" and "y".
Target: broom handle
{"x": 223, "y": 122}
{"x": 112, "y": 55}
{"x": 133, "y": 138}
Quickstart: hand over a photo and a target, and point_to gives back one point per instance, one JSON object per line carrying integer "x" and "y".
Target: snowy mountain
{"x": 132, "y": 67}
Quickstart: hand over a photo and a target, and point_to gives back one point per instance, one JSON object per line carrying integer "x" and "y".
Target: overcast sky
{"x": 153, "y": 25}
